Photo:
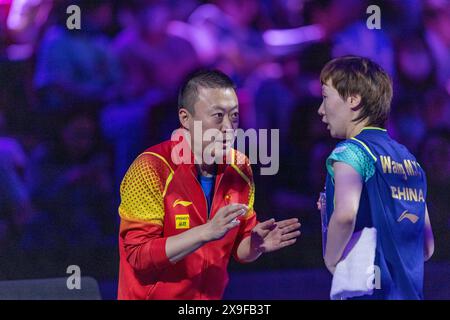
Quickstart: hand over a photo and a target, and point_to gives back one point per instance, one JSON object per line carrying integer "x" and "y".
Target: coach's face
{"x": 336, "y": 112}
{"x": 215, "y": 108}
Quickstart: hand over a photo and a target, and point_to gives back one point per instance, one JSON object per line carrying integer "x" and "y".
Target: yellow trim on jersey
{"x": 366, "y": 147}
{"x": 169, "y": 178}
{"x": 249, "y": 214}
{"x": 251, "y": 197}
{"x": 235, "y": 167}
{"x": 158, "y": 222}
{"x": 374, "y": 128}
{"x": 160, "y": 157}
{"x": 370, "y": 128}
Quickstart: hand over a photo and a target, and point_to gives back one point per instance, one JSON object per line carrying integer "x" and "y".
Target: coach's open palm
{"x": 270, "y": 236}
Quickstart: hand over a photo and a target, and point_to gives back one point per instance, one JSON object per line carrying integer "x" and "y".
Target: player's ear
{"x": 184, "y": 116}
{"x": 354, "y": 101}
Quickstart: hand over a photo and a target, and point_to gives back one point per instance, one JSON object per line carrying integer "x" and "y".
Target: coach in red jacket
{"x": 180, "y": 221}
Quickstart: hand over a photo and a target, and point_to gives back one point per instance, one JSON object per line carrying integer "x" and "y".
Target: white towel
{"x": 354, "y": 274}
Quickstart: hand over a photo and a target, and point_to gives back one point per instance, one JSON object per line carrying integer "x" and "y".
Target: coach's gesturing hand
{"x": 223, "y": 221}
{"x": 180, "y": 245}
{"x": 270, "y": 236}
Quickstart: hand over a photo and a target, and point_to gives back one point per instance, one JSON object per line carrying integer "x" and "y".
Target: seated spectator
{"x": 71, "y": 186}
{"x": 415, "y": 67}
{"x": 77, "y": 66}
{"x": 147, "y": 52}
{"x": 15, "y": 203}
{"x": 437, "y": 24}
{"x": 435, "y": 158}
{"x": 436, "y": 111}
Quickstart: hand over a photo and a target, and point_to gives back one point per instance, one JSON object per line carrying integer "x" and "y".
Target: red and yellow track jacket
{"x": 160, "y": 199}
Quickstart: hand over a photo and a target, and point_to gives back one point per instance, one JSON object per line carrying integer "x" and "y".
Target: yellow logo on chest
{"x": 182, "y": 221}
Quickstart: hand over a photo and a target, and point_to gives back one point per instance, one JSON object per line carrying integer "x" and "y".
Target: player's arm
{"x": 428, "y": 237}
{"x": 348, "y": 188}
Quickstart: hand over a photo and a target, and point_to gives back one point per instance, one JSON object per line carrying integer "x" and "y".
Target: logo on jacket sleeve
{"x": 182, "y": 221}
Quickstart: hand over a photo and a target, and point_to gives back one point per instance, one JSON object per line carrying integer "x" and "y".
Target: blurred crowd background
{"x": 77, "y": 106}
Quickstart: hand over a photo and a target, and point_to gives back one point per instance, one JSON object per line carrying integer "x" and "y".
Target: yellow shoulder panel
{"x": 143, "y": 188}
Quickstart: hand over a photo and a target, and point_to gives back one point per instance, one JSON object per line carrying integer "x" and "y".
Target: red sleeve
{"x": 142, "y": 214}
{"x": 144, "y": 247}
{"x": 245, "y": 230}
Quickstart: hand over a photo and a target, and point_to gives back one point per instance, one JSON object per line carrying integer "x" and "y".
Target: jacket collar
{"x": 178, "y": 159}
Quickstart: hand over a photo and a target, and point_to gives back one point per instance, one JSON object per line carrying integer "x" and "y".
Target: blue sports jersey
{"x": 392, "y": 201}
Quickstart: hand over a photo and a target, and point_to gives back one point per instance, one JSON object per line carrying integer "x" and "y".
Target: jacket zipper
{"x": 205, "y": 263}
{"x": 216, "y": 187}
{"x": 204, "y": 197}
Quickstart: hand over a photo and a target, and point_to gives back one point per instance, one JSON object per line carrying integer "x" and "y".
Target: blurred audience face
{"x": 242, "y": 12}
{"x": 100, "y": 18}
{"x": 440, "y": 23}
{"x": 436, "y": 158}
{"x": 291, "y": 68}
{"x": 414, "y": 62}
{"x": 318, "y": 156}
{"x": 2, "y": 123}
{"x": 409, "y": 116}
{"x": 336, "y": 15}
{"x": 436, "y": 110}
{"x": 155, "y": 20}
{"x": 79, "y": 136}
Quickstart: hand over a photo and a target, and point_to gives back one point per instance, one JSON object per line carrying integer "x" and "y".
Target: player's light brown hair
{"x": 352, "y": 75}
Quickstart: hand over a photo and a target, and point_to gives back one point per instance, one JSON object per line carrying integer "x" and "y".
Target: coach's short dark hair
{"x": 187, "y": 97}
{"x": 352, "y": 75}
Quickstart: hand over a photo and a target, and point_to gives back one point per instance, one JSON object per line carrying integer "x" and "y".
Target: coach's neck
{"x": 207, "y": 170}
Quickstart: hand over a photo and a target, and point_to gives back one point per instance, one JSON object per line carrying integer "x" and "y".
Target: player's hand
{"x": 321, "y": 205}
{"x": 223, "y": 221}
{"x": 270, "y": 236}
